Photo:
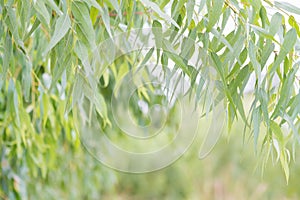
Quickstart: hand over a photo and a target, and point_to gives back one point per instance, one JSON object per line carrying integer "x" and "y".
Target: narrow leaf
{"x": 288, "y": 44}
{"x": 214, "y": 13}
{"x": 62, "y": 26}
{"x": 288, "y": 7}
{"x": 190, "y": 10}
{"x": 85, "y": 29}
{"x": 156, "y": 9}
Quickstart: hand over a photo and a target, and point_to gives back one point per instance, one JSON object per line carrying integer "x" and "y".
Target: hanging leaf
{"x": 255, "y": 63}
{"x": 285, "y": 93}
{"x": 8, "y": 50}
{"x": 294, "y": 24}
{"x": 115, "y": 5}
{"x": 42, "y": 12}
{"x": 275, "y": 23}
{"x": 288, "y": 7}
{"x": 157, "y": 31}
{"x": 62, "y": 26}
{"x": 190, "y": 5}
{"x": 256, "y": 118}
{"x": 84, "y": 29}
{"x": 11, "y": 21}
{"x": 288, "y": 44}
{"x": 104, "y": 14}
{"x": 53, "y": 5}
{"x": 214, "y": 13}
{"x": 162, "y": 14}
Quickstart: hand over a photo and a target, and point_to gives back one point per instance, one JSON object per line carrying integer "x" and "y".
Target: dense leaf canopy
{"x": 47, "y": 58}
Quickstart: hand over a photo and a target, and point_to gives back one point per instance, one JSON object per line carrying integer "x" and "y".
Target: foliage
{"x": 44, "y": 71}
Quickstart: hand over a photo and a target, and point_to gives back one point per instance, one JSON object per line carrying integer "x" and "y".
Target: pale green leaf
{"x": 288, "y": 44}
{"x": 62, "y": 26}
{"x": 255, "y": 63}
{"x": 104, "y": 14}
{"x": 278, "y": 132}
{"x": 156, "y": 9}
{"x": 42, "y": 12}
{"x": 294, "y": 24}
{"x": 115, "y": 5}
{"x": 288, "y": 7}
{"x": 12, "y": 24}
{"x": 190, "y": 10}
{"x": 285, "y": 93}
{"x": 275, "y": 23}
{"x": 214, "y": 13}
{"x": 8, "y": 50}
{"x": 256, "y": 118}
{"x": 85, "y": 29}
{"x": 53, "y": 5}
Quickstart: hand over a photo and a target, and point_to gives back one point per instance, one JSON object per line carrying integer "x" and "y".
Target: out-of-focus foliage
{"x": 44, "y": 44}
{"x": 231, "y": 171}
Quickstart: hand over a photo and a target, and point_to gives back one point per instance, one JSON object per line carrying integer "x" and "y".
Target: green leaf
{"x": 12, "y": 24}
{"x": 285, "y": 165}
{"x": 157, "y": 32}
{"x": 256, "y": 4}
{"x": 148, "y": 56}
{"x": 13, "y": 101}
{"x": 255, "y": 63}
{"x": 199, "y": 90}
{"x": 277, "y": 131}
{"x": 240, "y": 78}
{"x": 188, "y": 45}
{"x": 288, "y": 7}
{"x": 42, "y": 12}
{"x": 219, "y": 66}
{"x": 262, "y": 32}
{"x": 264, "y": 17}
{"x": 294, "y": 106}
{"x": 85, "y": 29}
{"x": 83, "y": 54}
{"x": 178, "y": 61}
{"x": 214, "y": 13}
{"x": 156, "y": 9}
{"x": 76, "y": 94}
{"x": 294, "y": 24}
{"x": 105, "y": 78}
{"x": 275, "y": 23}
{"x": 264, "y": 99}
{"x": 266, "y": 52}
{"x": 285, "y": 93}
{"x": 26, "y": 78}
{"x": 115, "y": 5}
{"x": 222, "y": 39}
{"x": 53, "y": 5}
{"x": 106, "y": 20}
{"x": 8, "y": 50}
{"x": 33, "y": 28}
{"x": 62, "y": 26}
{"x": 104, "y": 14}
{"x": 256, "y": 118}
{"x": 240, "y": 107}
{"x": 59, "y": 69}
{"x": 190, "y": 10}
{"x": 288, "y": 45}
{"x": 98, "y": 100}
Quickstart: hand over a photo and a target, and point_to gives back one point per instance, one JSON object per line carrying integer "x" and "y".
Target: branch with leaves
{"x": 44, "y": 46}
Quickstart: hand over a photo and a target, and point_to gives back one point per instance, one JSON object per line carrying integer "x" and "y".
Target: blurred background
{"x": 231, "y": 171}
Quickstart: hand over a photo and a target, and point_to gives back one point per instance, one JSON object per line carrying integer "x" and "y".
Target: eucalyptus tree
{"x": 61, "y": 58}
